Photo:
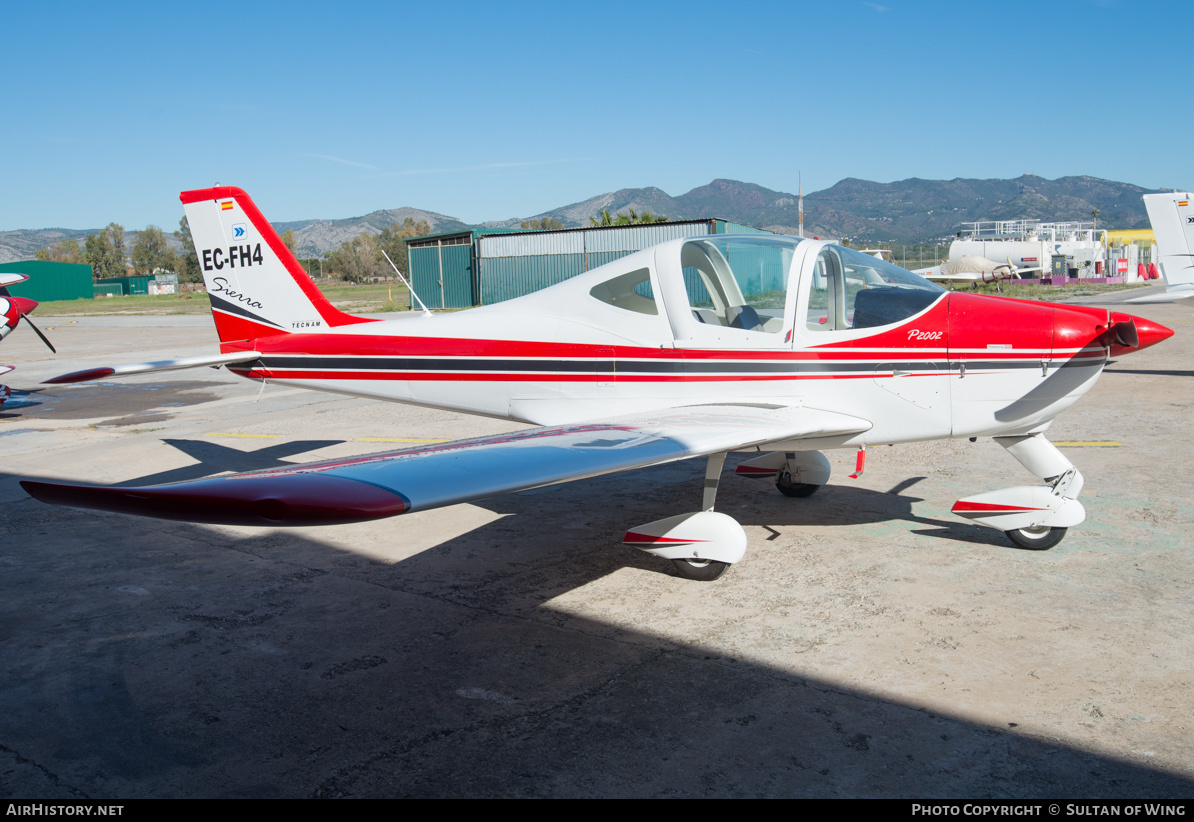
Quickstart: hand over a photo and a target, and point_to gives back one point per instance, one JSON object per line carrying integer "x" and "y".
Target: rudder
{"x": 1172, "y": 219}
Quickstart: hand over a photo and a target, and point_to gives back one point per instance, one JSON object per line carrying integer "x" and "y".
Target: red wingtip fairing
{"x": 304, "y": 499}
{"x": 80, "y": 376}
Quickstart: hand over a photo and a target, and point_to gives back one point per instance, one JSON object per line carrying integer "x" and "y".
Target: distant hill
{"x": 904, "y": 211}
{"x": 314, "y": 237}
{"x": 23, "y": 243}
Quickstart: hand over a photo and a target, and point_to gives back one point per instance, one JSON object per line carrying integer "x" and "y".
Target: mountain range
{"x": 905, "y": 211}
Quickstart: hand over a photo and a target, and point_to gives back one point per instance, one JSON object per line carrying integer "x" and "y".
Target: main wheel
{"x": 702, "y": 570}
{"x": 794, "y": 489}
{"x": 1036, "y": 539}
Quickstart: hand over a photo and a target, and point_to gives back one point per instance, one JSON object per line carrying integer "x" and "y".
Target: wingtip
{"x": 80, "y": 376}
{"x": 302, "y": 499}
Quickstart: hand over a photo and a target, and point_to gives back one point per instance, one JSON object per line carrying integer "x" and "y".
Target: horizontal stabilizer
{"x": 146, "y": 367}
{"x": 431, "y": 476}
{"x": 1178, "y": 292}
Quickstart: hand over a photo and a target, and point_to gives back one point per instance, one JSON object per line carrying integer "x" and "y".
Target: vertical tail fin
{"x": 256, "y": 286}
{"x": 1172, "y": 218}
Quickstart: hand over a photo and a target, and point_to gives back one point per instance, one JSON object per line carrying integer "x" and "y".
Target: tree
{"x": 63, "y": 251}
{"x": 392, "y": 241}
{"x": 632, "y": 218}
{"x": 151, "y": 251}
{"x": 358, "y": 260}
{"x": 105, "y": 252}
{"x": 187, "y": 264}
{"x": 288, "y": 239}
{"x": 543, "y": 224}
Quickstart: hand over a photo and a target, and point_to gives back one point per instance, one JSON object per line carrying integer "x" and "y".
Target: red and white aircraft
{"x": 12, "y": 309}
{"x": 692, "y": 348}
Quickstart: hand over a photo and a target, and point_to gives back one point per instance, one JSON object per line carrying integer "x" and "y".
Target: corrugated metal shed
{"x": 128, "y": 285}
{"x": 50, "y": 281}
{"x": 483, "y": 267}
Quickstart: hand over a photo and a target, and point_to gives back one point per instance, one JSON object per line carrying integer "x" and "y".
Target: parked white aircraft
{"x": 1172, "y": 219}
{"x": 692, "y": 348}
{"x": 973, "y": 269}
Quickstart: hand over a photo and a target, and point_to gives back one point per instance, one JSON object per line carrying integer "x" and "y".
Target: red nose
{"x": 23, "y": 305}
{"x": 1147, "y": 333}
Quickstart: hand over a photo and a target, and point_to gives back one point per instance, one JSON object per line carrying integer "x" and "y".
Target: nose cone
{"x": 23, "y": 304}
{"x": 1130, "y": 333}
{"x": 1150, "y": 333}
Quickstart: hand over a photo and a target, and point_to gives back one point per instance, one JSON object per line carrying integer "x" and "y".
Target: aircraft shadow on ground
{"x": 161, "y": 659}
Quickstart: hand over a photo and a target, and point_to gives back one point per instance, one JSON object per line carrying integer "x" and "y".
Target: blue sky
{"x": 486, "y": 111}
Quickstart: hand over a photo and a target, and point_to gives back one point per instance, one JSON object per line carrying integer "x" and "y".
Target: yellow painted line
{"x": 390, "y": 439}
{"x": 247, "y": 436}
{"x": 1090, "y": 444}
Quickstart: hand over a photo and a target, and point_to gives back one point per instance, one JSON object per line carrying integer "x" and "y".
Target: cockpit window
{"x": 630, "y": 291}
{"x": 738, "y": 282}
{"x": 855, "y": 290}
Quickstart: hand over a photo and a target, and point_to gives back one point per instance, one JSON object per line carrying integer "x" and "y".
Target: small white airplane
{"x": 1172, "y": 220}
{"x": 12, "y": 309}
{"x": 973, "y": 269}
{"x": 693, "y": 348}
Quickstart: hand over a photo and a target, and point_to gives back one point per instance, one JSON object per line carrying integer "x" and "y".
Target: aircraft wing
{"x": 146, "y": 367}
{"x": 414, "y": 479}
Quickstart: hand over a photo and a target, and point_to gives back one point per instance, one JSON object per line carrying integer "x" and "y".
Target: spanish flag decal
{"x": 1183, "y": 202}
{"x": 226, "y": 206}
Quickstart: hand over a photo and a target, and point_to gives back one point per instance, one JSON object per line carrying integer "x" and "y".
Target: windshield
{"x": 850, "y": 289}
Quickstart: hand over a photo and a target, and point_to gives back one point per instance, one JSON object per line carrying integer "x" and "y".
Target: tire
{"x": 794, "y": 489}
{"x": 702, "y": 570}
{"x": 1036, "y": 539}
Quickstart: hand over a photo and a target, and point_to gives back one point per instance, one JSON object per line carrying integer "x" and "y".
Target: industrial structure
{"x": 1063, "y": 250}
{"x": 485, "y": 266}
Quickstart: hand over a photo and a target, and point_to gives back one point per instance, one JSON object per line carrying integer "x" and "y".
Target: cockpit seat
{"x": 744, "y": 317}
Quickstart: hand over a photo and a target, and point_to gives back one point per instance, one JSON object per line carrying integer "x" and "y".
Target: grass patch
{"x": 352, "y": 298}
{"x": 1049, "y": 293}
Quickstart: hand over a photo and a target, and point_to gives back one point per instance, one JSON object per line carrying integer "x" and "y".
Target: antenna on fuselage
{"x": 800, "y": 200}
{"x": 409, "y": 287}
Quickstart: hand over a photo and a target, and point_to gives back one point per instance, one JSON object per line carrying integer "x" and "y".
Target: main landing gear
{"x": 1032, "y": 517}
{"x": 700, "y": 545}
{"x": 703, "y": 545}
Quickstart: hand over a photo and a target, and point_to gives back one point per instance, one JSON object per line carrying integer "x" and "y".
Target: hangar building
{"x": 51, "y": 281}
{"x": 485, "y": 266}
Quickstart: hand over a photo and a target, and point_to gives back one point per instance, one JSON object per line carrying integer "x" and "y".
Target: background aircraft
{"x": 1172, "y": 220}
{"x": 973, "y": 269}
{"x": 693, "y": 348}
{"x": 13, "y": 309}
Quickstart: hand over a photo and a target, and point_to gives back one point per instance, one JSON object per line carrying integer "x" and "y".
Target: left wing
{"x": 414, "y": 479}
{"x": 213, "y": 360}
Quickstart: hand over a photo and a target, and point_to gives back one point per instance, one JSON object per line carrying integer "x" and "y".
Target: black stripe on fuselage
{"x": 437, "y": 364}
